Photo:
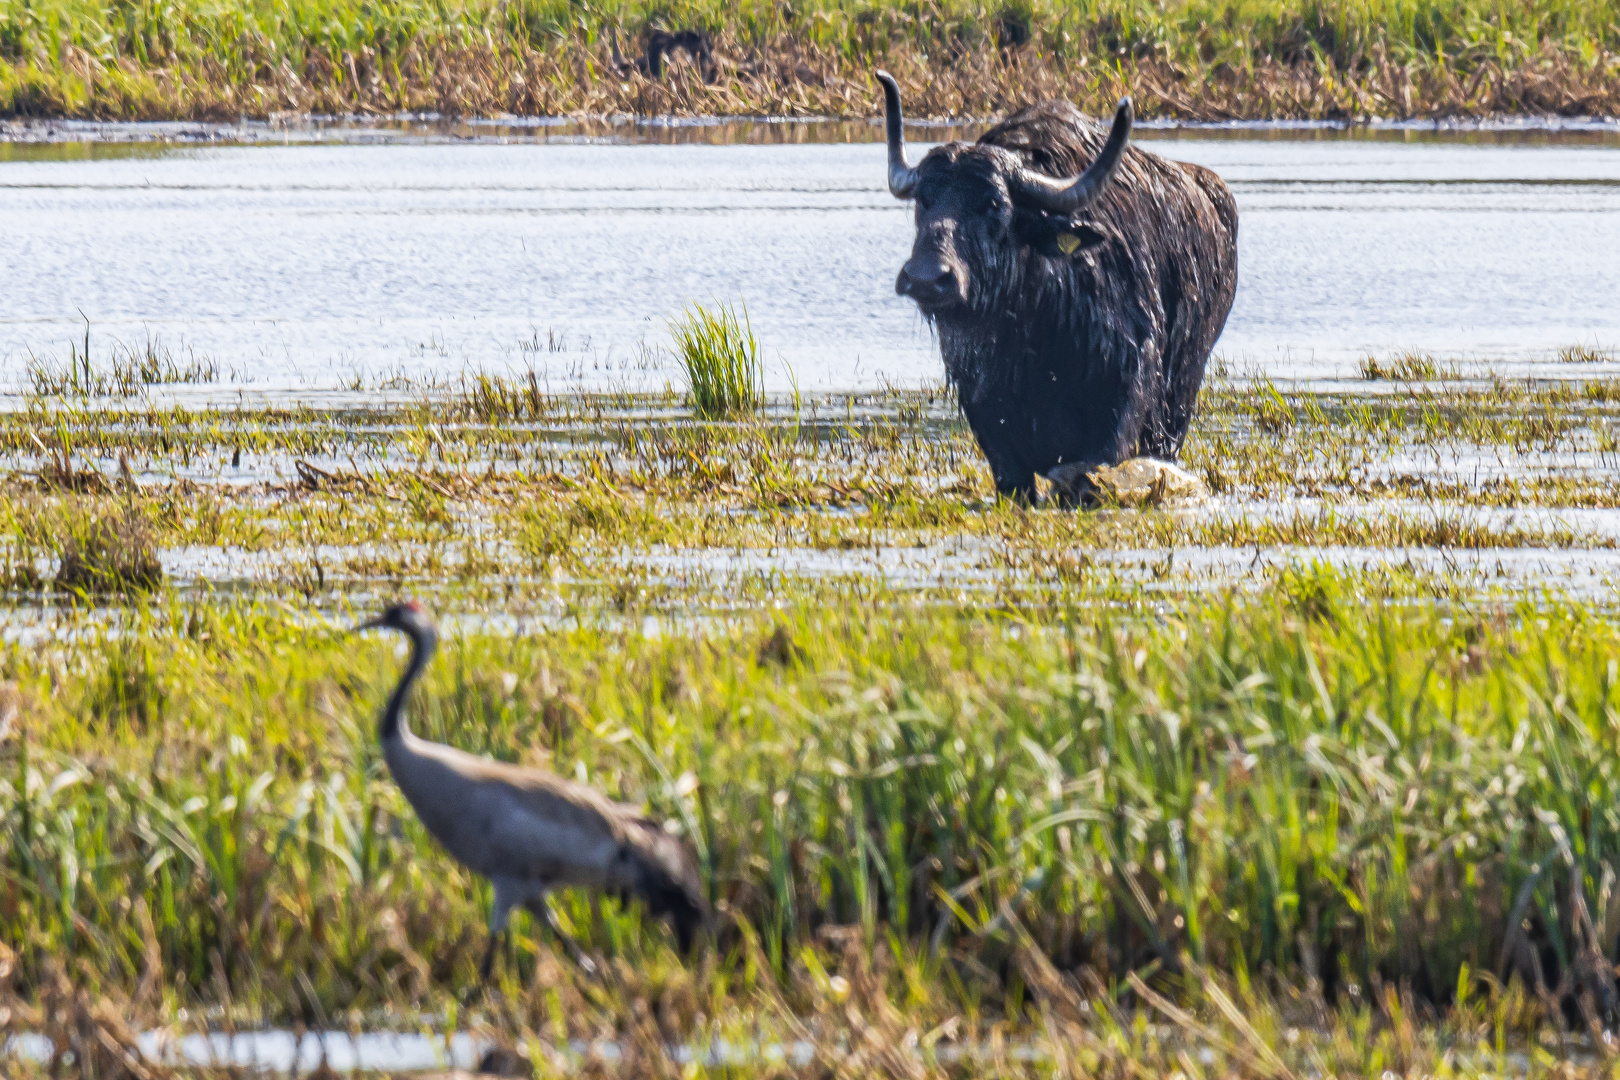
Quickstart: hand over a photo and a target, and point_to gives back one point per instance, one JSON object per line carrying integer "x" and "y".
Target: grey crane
{"x": 527, "y": 830}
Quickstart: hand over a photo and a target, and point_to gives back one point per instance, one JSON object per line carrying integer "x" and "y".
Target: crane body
{"x": 528, "y": 830}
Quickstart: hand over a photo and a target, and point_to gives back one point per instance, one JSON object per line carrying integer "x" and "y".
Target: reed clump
{"x": 719, "y": 355}
{"x": 114, "y": 553}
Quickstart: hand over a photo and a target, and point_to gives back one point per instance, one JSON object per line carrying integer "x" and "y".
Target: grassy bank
{"x": 1304, "y": 779}
{"x": 1191, "y": 59}
{"x": 1347, "y": 809}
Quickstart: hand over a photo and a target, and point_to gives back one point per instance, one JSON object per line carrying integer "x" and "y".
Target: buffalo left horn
{"x": 902, "y": 177}
{"x": 1067, "y": 196}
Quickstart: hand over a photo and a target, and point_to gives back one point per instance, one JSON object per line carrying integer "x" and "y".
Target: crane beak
{"x": 369, "y": 624}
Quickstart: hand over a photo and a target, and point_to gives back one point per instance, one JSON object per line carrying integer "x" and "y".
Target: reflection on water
{"x": 75, "y": 139}
{"x": 308, "y": 266}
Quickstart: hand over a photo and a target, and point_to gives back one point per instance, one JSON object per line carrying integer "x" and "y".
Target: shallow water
{"x": 283, "y": 1051}
{"x": 280, "y": 1051}
{"x": 309, "y": 266}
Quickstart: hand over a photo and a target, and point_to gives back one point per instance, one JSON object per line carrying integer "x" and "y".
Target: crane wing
{"x": 538, "y": 825}
{"x": 507, "y": 820}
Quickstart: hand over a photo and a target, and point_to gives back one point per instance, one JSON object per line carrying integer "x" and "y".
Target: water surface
{"x": 320, "y": 264}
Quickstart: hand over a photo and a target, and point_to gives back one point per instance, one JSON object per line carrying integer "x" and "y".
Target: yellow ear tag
{"x": 1068, "y": 243}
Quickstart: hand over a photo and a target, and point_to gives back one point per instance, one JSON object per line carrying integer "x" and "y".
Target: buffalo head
{"x": 979, "y": 207}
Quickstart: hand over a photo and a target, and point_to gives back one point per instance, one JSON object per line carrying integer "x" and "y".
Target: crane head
{"x": 409, "y": 617}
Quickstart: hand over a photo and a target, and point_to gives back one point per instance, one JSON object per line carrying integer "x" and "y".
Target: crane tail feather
{"x": 667, "y": 881}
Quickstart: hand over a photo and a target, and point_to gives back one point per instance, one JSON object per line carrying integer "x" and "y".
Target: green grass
{"x": 199, "y": 804}
{"x": 1407, "y": 367}
{"x": 967, "y": 804}
{"x": 1195, "y": 58}
{"x": 724, "y": 373}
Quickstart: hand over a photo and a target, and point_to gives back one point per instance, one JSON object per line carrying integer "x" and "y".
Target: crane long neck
{"x": 393, "y": 724}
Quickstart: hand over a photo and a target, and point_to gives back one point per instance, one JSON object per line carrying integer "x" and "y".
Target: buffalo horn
{"x": 1065, "y": 196}
{"x": 902, "y": 177}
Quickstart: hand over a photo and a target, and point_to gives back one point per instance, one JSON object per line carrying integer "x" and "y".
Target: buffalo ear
{"x": 1080, "y": 236}
{"x": 1060, "y": 238}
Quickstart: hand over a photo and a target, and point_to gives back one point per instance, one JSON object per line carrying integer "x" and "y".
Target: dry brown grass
{"x": 789, "y": 77}
{"x": 116, "y": 553}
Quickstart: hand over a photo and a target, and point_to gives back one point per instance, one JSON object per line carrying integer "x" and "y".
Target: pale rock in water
{"x": 1139, "y": 482}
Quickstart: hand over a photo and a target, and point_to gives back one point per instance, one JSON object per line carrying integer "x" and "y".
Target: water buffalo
{"x": 1077, "y": 285}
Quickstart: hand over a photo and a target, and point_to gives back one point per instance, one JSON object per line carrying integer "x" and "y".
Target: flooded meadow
{"x": 1311, "y": 772}
{"x": 487, "y": 491}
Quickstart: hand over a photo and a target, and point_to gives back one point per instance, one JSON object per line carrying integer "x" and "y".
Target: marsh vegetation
{"x": 1317, "y": 776}
{"x": 1193, "y": 59}
{"x": 719, "y": 355}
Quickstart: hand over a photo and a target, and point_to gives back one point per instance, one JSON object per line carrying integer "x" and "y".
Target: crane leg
{"x": 487, "y": 965}
{"x": 506, "y": 897}
{"x": 541, "y": 910}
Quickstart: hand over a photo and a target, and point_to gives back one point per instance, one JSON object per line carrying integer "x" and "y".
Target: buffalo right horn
{"x": 902, "y": 177}
{"x": 1067, "y": 196}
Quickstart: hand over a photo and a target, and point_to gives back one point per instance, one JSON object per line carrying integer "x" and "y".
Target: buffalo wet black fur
{"x": 1077, "y": 285}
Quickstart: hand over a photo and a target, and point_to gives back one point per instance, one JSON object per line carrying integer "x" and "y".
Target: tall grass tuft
{"x": 112, "y": 554}
{"x": 1407, "y": 367}
{"x": 724, "y": 373}
{"x": 1585, "y": 354}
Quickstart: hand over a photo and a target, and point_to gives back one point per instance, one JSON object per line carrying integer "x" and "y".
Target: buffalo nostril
{"x": 927, "y": 283}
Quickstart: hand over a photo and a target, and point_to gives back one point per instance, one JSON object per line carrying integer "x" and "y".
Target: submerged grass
{"x": 1195, "y": 59}
{"x": 127, "y": 371}
{"x": 495, "y": 484}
